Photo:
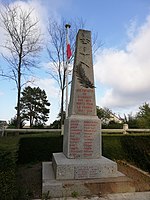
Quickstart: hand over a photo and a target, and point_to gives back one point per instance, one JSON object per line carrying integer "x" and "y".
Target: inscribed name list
{"x": 84, "y": 139}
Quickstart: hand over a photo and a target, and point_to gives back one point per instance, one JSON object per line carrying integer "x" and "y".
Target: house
{"x": 3, "y": 123}
{"x": 115, "y": 118}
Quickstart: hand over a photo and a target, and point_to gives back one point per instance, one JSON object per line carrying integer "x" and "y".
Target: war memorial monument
{"x": 81, "y": 168}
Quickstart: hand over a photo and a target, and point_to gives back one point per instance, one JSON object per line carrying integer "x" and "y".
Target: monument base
{"x": 82, "y": 187}
{"x": 65, "y": 168}
{"x": 62, "y": 177}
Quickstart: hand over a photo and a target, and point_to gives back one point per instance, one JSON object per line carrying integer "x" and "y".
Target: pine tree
{"x": 34, "y": 105}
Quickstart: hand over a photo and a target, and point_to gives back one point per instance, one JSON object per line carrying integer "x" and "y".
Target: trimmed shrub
{"x": 34, "y": 149}
{"x": 138, "y": 150}
{"x": 135, "y": 149}
{"x": 132, "y": 148}
{"x": 7, "y": 175}
{"x": 112, "y": 147}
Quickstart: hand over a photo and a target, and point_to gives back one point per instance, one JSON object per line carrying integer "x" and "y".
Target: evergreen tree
{"x": 143, "y": 116}
{"x": 34, "y": 105}
{"x": 131, "y": 120}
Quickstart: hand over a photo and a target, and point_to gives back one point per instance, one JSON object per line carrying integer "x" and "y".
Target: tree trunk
{"x": 62, "y": 98}
{"x": 18, "y": 100}
{"x": 19, "y": 90}
{"x": 30, "y": 121}
{"x": 62, "y": 108}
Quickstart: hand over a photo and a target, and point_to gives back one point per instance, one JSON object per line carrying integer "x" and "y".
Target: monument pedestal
{"x": 82, "y": 187}
{"x": 65, "y": 168}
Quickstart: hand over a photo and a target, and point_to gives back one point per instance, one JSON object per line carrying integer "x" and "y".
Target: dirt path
{"x": 141, "y": 179}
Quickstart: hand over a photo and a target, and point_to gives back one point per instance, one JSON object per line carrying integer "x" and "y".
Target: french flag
{"x": 69, "y": 53}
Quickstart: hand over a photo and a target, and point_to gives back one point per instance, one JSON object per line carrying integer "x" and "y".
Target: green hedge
{"x": 34, "y": 149}
{"x": 137, "y": 149}
{"x": 132, "y": 148}
{"x": 7, "y": 175}
{"x": 112, "y": 147}
{"x": 8, "y": 157}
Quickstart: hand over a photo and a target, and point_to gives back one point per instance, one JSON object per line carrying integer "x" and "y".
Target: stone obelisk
{"x": 82, "y": 128}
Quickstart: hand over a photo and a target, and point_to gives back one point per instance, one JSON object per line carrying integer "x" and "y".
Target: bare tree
{"x": 23, "y": 42}
{"x": 57, "y": 52}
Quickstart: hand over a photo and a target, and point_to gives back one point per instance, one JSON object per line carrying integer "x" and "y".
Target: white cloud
{"x": 1, "y": 93}
{"x": 131, "y": 28}
{"x": 48, "y": 85}
{"x": 126, "y": 73}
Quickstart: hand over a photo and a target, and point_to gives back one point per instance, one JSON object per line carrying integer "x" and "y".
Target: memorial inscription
{"x": 82, "y": 138}
{"x": 84, "y": 103}
{"x": 84, "y": 172}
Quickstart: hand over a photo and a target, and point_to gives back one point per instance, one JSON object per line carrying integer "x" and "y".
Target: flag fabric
{"x": 69, "y": 53}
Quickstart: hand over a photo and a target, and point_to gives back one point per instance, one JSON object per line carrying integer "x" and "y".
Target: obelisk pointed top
{"x": 82, "y": 100}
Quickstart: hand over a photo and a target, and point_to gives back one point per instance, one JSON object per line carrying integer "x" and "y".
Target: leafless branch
{"x": 23, "y": 44}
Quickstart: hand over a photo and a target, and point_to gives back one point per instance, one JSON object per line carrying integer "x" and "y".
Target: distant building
{"x": 115, "y": 118}
{"x": 112, "y": 118}
{"x": 3, "y": 123}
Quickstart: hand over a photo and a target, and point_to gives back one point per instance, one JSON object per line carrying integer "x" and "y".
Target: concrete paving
{"x": 119, "y": 196}
{"x": 130, "y": 196}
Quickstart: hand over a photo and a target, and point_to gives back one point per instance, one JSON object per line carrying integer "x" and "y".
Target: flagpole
{"x": 67, "y": 61}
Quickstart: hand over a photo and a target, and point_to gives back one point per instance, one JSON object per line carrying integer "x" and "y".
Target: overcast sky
{"x": 121, "y": 66}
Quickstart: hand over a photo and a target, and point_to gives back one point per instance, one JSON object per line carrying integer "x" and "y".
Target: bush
{"x": 138, "y": 150}
{"x": 34, "y": 149}
{"x": 7, "y": 175}
{"x": 134, "y": 149}
{"x": 13, "y": 123}
{"x": 112, "y": 147}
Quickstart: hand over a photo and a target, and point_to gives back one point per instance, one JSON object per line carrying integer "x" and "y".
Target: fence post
{"x": 2, "y": 130}
{"x": 125, "y": 128}
{"x": 62, "y": 130}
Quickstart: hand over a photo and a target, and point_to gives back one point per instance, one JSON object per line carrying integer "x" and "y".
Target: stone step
{"x": 83, "y": 187}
